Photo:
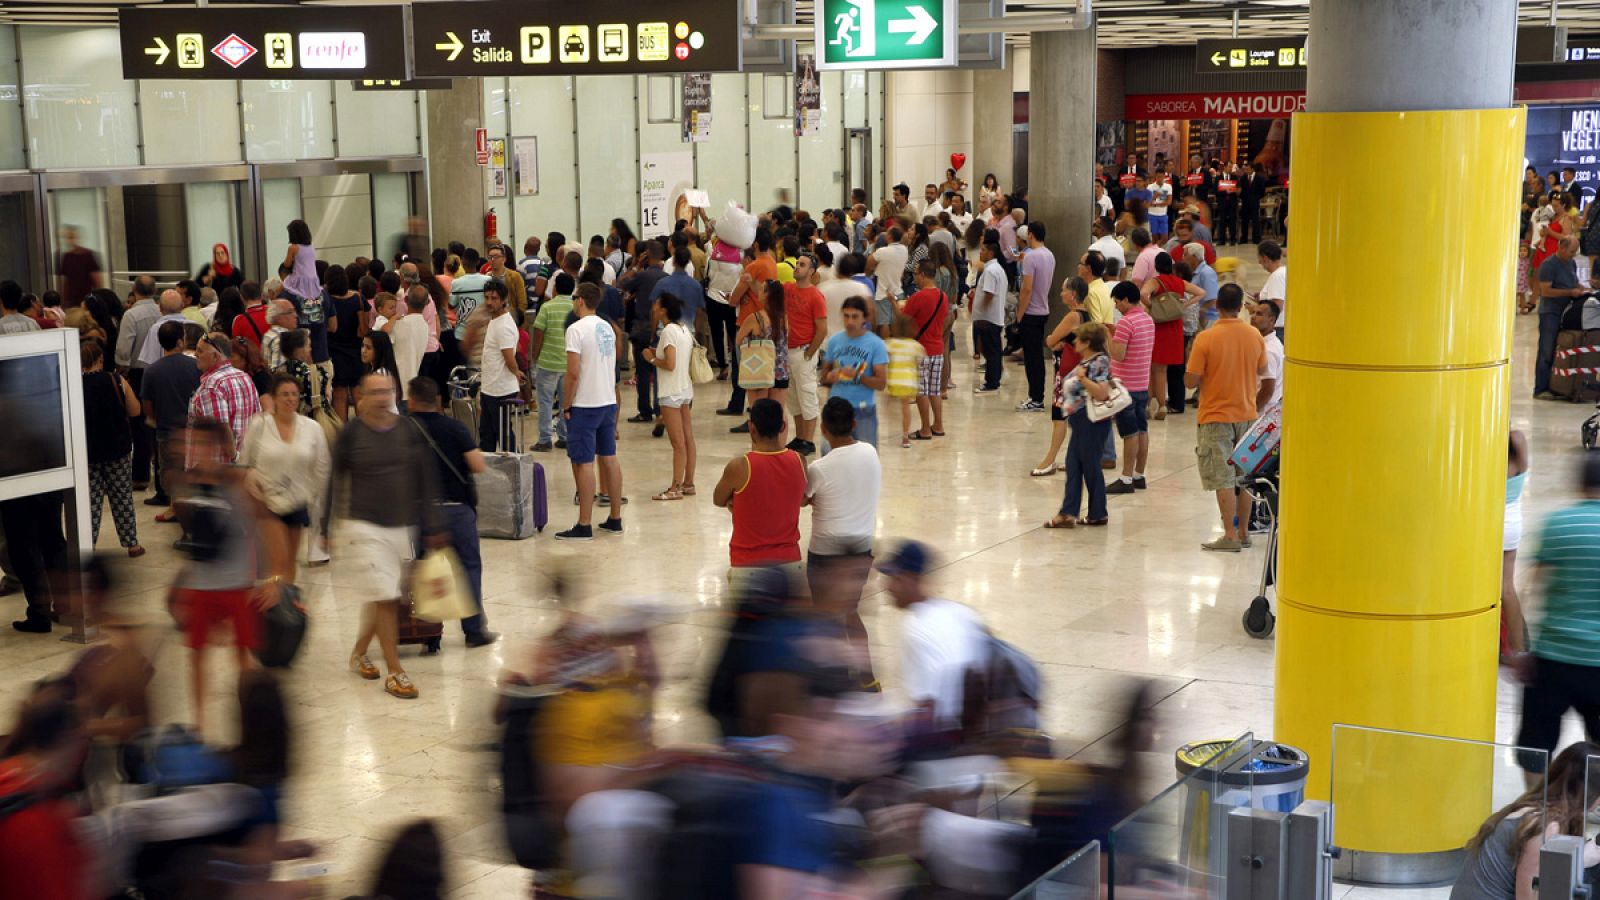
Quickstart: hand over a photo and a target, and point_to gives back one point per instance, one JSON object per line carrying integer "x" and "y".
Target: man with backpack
{"x": 943, "y": 642}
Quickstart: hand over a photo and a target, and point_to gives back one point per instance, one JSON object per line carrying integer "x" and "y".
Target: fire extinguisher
{"x": 491, "y": 225}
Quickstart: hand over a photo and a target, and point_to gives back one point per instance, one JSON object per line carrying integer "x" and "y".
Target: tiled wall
{"x": 930, "y": 117}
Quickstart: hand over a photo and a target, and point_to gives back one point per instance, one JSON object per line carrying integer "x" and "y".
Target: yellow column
{"x": 1394, "y": 462}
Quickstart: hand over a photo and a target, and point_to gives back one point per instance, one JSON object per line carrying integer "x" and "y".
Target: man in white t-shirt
{"x": 842, "y": 490}
{"x": 989, "y": 315}
{"x": 409, "y": 334}
{"x": 499, "y": 377}
{"x": 960, "y": 216}
{"x": 1102, "y": 201}
{"x": 888, "y": 265}
{"x": 589, "y": 401}
{"x": 1265, "y": 317}
{"x": 1270, "y": 255}
{"x": 1106, "y": 243}
{"x": 940, "y": 639}
{"x": 1160, "y": 199}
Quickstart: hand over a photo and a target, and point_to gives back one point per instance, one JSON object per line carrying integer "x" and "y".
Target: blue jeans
{"x": 1549, "y": 329}
{"x": 461, "y": 521}
{"x": 549, "y": 385}
{"x": 866, "y": 430}
{"x": 1108, "y": 452}
{"x": 1083, "y": 466}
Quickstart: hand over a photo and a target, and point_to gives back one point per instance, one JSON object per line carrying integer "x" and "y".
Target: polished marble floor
{"x": 1099, "y": 608}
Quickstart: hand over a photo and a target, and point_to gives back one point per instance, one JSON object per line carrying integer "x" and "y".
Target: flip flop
{"x": 938, "y": 434}
{"x": 1062, "y": 522}
{"x": 922, "y": 437}
{"x": 1047, "y": 470}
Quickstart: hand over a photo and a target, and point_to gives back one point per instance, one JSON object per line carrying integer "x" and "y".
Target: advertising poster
{"x": 497, "y": 153}
{"x": 525, "y": 165}
{"x": 1164, "y": 143}
{"x": 807, "y": 95}
{"x": 1210, "y": 138}
{"x": 696, "y": 107}
{"x": 663, "y": 180}
{"x": 495, "y": 182}
{"x": 1268, "y": 144}
{"x": 1110, "y": 143}
{"x": 1563, "y": 137}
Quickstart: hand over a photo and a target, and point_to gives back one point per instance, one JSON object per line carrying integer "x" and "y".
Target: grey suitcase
{"x": 507, "y": 488}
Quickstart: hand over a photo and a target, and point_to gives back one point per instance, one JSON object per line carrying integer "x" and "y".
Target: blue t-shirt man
{"x": 861, "y": 353}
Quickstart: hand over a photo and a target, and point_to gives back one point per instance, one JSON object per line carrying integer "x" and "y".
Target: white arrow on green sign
{"x": 886, "y": 34}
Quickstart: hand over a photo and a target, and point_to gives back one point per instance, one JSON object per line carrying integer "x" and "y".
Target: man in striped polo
{"x": 1563, "y": 670}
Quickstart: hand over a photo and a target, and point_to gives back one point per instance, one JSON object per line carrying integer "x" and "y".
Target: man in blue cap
{"x": 940, "y": 639}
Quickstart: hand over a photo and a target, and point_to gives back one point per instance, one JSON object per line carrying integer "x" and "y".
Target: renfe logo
{"x": 333, "y": 50}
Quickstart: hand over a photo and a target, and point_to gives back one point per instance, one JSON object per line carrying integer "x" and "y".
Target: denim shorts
{"x": 591, "y": 432}
{"x": 1133, "y": 420}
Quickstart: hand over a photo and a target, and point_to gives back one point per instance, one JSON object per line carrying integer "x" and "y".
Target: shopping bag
{"x": 700, "y": 367}
{"x": 283, "y": 629}
{"x": 1260, "y": 443}
{"x": 439, "y": 589}
{"x": 756, "y": 364}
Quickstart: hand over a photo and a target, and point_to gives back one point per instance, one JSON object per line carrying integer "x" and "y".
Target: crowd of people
{"x": 258, "y": 413}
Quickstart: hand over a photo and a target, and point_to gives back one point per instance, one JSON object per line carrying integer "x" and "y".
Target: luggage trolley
{"x": 1259, "y": 622}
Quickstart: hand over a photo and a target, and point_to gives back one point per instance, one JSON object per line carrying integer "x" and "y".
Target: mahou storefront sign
{"x": 1229, "y": 105}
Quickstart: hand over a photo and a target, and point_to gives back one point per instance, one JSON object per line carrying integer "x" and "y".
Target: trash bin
{"x": 1266, "y": 775}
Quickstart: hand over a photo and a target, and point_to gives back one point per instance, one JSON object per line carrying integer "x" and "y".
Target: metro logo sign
{"x": 1235, "y": 105}
{"x": 233, "y": 50}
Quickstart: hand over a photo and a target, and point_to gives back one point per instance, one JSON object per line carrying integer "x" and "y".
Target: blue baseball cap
{"x": 910, "y": 558}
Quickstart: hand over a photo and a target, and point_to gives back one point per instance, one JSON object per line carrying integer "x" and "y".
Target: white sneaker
{"x": 1030, "y": 406}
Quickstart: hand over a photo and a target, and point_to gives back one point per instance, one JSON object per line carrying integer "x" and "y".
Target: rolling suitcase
{"x": 1568, "y": 380}
{"x": 513, "y": 497}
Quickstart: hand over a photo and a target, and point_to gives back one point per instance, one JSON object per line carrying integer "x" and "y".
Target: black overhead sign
{"x": 1221, "y": 55}
{"x": 617, "y": 37}
{"x": 226, "y": 42}
{"x": 402, "y": 84}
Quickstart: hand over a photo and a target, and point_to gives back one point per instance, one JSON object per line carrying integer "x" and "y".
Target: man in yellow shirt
{"x": 516, "y": 288}
{"x": 1092, "y": 268}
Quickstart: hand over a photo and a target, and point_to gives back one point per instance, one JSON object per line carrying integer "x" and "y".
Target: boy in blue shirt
{"x": 856, "y": 367}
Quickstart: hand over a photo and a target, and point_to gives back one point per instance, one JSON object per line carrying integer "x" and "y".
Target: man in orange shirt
{"x": 749, "y": 297}
{"x": 1226, "y": 363}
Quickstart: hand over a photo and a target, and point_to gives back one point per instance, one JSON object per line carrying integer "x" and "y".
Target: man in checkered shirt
{"x": 226, "y": 394}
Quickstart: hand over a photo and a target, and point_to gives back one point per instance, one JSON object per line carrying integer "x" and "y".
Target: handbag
{"x": 757, "y": 362}
{"x": 439, "y": 588}
{"x": 1118, "y": 400}
{"x": 700, "y": 366}
{"x": 1166, "y": 307}
{"x": 283, "y": 629}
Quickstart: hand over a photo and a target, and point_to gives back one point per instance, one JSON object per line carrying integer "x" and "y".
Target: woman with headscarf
{"x": 220, "y": 273}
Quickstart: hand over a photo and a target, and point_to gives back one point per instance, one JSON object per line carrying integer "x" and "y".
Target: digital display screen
{"x": 1562, "y": 137}
{"x": 31, "y": 401}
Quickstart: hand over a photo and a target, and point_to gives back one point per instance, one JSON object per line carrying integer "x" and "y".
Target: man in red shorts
{"x": 217, "y": 587}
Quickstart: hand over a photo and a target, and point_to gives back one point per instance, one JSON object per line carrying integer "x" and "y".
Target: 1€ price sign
{"x": 886, "y": 34}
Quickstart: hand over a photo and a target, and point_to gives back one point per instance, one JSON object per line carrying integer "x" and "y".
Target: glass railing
{"x": 1407, "y": 805}
{"x": 1078, "y": 878}
{"x": 1177, "y": 844}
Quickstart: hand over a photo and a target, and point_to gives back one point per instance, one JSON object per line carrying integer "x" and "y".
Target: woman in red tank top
{"x": 1168, "y": 350}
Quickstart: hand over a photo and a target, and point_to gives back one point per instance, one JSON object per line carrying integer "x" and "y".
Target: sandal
{"x": 919, "y": 436}
{"x": 1062, "y": 522}
{"x": 1094, "y": 523}
{"x": 938, "y": 434}
{"x": 1047, "y": 470}
{"x": 687, "y": 490}
{"x": 670, "y": 493}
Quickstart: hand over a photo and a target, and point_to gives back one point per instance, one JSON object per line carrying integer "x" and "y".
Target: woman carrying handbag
{"x": 1090, "y": 399}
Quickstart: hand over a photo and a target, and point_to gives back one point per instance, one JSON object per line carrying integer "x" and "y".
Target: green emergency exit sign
{"x": 886, "y": 34}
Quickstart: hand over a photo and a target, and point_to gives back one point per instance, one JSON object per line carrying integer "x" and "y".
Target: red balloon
{"x": 957, "y": 160}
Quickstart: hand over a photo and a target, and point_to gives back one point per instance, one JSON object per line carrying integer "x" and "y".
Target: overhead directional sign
{"x": 618, "y": 37}
{"x": 263, "y": 42}
{"x": 886, "y": 34}
{"x": 1220, "y": 55}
